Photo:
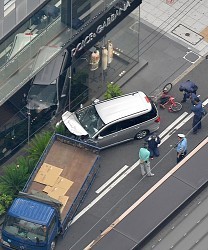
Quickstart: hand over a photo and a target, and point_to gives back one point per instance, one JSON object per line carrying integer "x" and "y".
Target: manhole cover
{"x": 191, "y": 57}
{"x": 187, "y": 34}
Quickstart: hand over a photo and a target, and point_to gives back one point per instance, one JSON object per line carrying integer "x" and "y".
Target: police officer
{"x": 188, "y": 87}
{"x": 153, "y": 142}
{"x": 181, "y": 147}
{"x": 198, "y": 112}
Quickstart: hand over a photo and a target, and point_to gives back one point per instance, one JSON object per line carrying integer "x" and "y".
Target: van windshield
{"x": 25, "y": 229}
{"x": 90, "y": 120}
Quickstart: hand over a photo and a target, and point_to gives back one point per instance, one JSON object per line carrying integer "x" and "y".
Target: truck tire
{"x": 53, "y": 245}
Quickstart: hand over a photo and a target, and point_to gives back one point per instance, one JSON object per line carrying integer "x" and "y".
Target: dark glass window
{"x": 52, "y": 225}
{"x": 109, "y": 130}
{"x": 118, "y": 126}
{"x": 148, "y": 116}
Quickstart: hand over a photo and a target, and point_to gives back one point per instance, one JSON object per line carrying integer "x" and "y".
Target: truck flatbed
{"x": 52, "y": 195}
{"x": 76, "y": 164}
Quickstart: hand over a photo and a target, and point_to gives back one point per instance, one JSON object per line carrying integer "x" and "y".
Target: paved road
{"x": 102, "y": 209}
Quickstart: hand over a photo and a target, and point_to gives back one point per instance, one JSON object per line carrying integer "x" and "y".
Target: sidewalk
{"x": 185, "y": 21}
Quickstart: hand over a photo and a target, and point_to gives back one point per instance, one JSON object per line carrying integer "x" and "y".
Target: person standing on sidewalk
{"x": 198, "y": 112}
{"x": 153, "y": 142}
{"x": 188, "y": 88}
{"x": 144, "y": 155}
{"x": 181, "y": 147}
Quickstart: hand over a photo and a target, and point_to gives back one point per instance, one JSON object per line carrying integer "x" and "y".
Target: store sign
{"x": 100, "y": 28}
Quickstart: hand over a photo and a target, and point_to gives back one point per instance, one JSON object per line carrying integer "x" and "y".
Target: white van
{"x": 110, "y": 122}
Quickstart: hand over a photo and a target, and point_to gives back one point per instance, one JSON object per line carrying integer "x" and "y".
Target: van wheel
{"x": 53, "y": 245}
{"x": 141, "y": 134}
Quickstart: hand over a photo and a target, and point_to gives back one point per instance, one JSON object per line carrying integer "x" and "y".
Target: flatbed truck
{"x": 51, "y": 196}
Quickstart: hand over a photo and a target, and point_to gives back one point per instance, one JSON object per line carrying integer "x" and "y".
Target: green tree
{"x": 14, "y": 178}
{"x": 6, "y": 200}
{"x": 38, "y": 144}
{"x": 2, "y": 209}
{"x": 113, "y": 90}
{"x": 27, "y": 162}
{"x": 60, "y": 129}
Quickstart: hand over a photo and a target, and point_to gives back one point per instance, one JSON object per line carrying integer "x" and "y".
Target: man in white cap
{"x": 181, "y": 147}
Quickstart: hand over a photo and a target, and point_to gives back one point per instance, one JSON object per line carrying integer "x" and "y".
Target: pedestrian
{"x": 188, "y": 87}
{"x": 181, "y": 147}
{"x": 144, "y": 155}
{"x": 153, "y": 142}
{"x": 197, "y": 109}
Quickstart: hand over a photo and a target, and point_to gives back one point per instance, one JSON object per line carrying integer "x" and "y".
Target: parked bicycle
{"x": 165, "y": 100}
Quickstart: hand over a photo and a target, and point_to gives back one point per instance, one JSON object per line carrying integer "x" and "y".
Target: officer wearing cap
{"x": 181, "y": 147}
{"x": 198, "y": 112}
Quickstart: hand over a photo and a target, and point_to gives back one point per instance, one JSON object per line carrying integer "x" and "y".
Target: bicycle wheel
{"x": 177, "y": 106}
{"x": 167, "y": 88}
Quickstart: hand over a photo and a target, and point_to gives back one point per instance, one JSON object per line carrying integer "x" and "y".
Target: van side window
{"x": 109, "y": 130}
{"x": 126, "y": 124}
{"x": 118, "y": 126}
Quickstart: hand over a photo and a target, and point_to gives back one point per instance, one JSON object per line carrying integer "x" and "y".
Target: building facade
{"x": 102, "y": 44}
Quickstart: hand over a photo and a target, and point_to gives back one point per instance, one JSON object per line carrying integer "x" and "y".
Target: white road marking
{"x": 173, "y": 124}
{"x": 181, "y": 124}
{"x": 177, "y": 127}
{"x": 128, "y": 171}
{"x": 111, "y": 179}
{"x": 58, "y": 4}
{"x": 105, "y": 192}
{"x": 205, "y": 102}
{"x": 125, "y": 167}
{"x": 121, "y": 177}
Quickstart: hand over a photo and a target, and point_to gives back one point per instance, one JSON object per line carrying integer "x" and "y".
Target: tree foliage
{"x": 60, "y": 129}
{"x": 113, "y": 90}
{"x": 5, "y": 202}
{"x": 38, "y": 145}
{"x": 14, "y": 178}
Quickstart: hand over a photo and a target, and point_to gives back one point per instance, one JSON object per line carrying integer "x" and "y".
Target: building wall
{"x": 19, "y": 10}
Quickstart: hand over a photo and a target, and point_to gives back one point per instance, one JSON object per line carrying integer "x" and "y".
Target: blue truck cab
{"x": 30, "y": 224}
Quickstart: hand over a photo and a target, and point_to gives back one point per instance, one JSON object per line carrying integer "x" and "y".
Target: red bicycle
{"x": 166, "y": 101}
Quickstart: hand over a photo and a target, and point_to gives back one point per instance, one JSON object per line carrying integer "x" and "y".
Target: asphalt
{"x": 161, "y": 60}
